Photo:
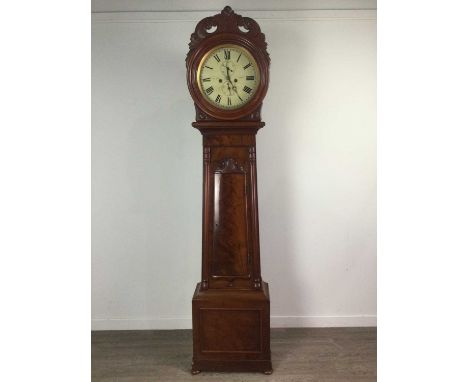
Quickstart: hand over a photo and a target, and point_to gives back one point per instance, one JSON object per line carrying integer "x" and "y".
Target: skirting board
{"x": 167, "y": 323}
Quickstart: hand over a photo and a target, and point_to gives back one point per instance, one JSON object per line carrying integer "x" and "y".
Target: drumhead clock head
{"x": 228, "y": 76}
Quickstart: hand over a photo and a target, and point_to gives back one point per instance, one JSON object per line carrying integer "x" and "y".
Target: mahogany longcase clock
{"x": 227, "y": 75}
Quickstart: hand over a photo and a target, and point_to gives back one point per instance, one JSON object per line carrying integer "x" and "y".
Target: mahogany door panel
{"x": 230, "y": 245}
{"x": 230, "y": 235}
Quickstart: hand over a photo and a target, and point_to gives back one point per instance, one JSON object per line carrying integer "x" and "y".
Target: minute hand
{"x": 229, "y": 79}
{"x": 235, "y": 90}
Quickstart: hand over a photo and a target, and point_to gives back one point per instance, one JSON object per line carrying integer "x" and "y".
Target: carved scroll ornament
{"x": 228, "y": 22}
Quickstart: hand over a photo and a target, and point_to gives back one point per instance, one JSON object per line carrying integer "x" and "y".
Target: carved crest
{"x": 229, "y": 165}
{"x": 228, "y": 22}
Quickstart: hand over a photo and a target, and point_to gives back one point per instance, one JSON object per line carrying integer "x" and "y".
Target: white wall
{"x": 316, "y": 169}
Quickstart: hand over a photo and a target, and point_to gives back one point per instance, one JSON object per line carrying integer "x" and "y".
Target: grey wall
{"x": 316, "y": 169}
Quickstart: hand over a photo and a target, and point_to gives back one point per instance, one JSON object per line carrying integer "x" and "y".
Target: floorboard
{"x": 298, "y": 355}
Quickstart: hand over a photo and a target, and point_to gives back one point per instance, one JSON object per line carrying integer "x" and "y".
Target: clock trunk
{"x": 231, "y": 305}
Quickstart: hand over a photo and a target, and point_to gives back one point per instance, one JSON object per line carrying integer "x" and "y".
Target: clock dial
{"x": 228, "y": 77}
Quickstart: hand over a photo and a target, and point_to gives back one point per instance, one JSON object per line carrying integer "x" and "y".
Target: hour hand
{"x": 227, "y": 73}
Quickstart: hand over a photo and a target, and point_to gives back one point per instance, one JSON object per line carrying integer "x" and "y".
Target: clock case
{"x": 231, "y": 304}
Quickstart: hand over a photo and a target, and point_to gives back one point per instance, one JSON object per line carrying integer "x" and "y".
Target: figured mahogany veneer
{"x": 231, "y": 304}
{"x": 231, "y": 330}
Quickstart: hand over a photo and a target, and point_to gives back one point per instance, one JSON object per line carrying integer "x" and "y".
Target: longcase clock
{"x": 227, "y": 75}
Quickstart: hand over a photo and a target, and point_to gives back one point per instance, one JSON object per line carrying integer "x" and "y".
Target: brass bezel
{"x": 243, "y": 50}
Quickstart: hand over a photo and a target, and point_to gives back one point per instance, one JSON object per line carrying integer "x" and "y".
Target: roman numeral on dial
{"x": 250, "y": 78}
{"x": 227, "y": 54}
{"x": 209, "y": 90}
{"x": 218, "y": 99}
{"x": 217, "y": 57}
{"x": 247, "y": 89}
{"x": 206, "y": 79}
{"x": 229, "y": 101}
{"x": 247, "y": 66}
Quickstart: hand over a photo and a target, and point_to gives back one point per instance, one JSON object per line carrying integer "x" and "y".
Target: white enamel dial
{"x": 228, "y": 77}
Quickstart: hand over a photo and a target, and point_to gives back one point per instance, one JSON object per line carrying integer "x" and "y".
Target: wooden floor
{"x": 298, "y": 355}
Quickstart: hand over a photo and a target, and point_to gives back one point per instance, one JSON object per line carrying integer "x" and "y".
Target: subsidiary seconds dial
{"x": 228, "y": 77}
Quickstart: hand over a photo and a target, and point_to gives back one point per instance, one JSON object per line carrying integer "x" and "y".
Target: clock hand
{"x": 229, "y": 78}
{"x": 227, "y": 72}
{"x": 229, "y": 88}
{"x": 229, "y": 82}
{"x": 235, "y": 89}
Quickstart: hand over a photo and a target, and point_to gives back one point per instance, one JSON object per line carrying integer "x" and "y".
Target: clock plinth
{"x": 231, "y": 330}
{"x": 231, "y": 303}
